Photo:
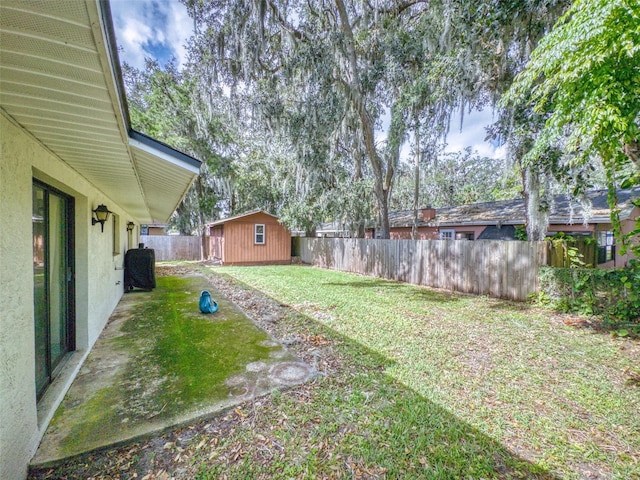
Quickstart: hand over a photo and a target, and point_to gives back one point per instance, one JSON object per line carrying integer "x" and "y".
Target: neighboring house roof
{"x": 155, "y": 225}
{"x": 493, "y": 232}
{"x": 236, "y": 217}
{"x": 564, "y": 211}
{"x": 333, "y": 227}
{"x": 60, "y": 80}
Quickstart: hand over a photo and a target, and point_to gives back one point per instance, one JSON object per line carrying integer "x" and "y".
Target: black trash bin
{"x": 140, "y": 269}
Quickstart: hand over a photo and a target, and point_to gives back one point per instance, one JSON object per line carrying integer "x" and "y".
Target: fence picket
{"x": 484, "y": 267}
{"x": 173, "y": 247}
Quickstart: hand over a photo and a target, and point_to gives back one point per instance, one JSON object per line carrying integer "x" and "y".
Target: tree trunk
{"x": 537, "y": 221}
{"x": 383, "y": 205}
{"x": 416, "y": 184}
{"x": 201, "y": 225}
{"x": 358, "y": 231}
{"x": 632, "y": 150}
{"x": 204, "y": 254}
{"x": 352, "y": 86}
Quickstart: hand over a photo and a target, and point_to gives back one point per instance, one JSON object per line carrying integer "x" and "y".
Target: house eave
{"x": 61, "y": 82}
{"x": 163, "y": 151}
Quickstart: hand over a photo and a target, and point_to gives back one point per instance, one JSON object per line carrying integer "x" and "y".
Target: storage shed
{"x": 254, "y": 238}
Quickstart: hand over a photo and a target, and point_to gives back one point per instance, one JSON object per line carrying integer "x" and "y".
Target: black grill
{"x": 139, "y": 269}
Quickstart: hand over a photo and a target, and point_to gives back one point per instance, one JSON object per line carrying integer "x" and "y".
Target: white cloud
{"x": 472, "y": 134}
{"x": 151, "y": 28}
{"x": 180, "y": 30}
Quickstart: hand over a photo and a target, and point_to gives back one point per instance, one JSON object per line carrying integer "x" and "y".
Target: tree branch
{"x": 398, "y": 9}
{"x": 297, "y": 34}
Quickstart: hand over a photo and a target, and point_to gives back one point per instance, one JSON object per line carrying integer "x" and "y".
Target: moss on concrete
{"x": 100, "y": 419}
{"x": 189, "y": 353}
{"x": 176, "y": 360}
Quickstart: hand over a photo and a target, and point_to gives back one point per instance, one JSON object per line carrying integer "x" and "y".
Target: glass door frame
{"x": 51, "y": 369}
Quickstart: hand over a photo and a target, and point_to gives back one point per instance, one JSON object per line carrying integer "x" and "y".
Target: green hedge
{"x": 613, "y": 295}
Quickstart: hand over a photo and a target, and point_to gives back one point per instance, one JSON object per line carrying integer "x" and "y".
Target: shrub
{"x": 613, "y": 295}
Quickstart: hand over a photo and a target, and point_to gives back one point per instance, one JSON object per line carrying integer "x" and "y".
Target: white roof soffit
{"x": 60, "y": 80}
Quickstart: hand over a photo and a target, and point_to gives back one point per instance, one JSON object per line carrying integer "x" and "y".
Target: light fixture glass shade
{"x": 101, "y": 214}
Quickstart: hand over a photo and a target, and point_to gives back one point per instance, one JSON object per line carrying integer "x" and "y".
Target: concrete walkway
{"x": 160, "y": 363}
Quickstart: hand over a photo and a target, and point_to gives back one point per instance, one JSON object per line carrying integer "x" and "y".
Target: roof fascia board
{"x": 242, "y": 215}
{"x": 577, "y": 221}
{"x": 581, "y": 221}
{"x": 112, "y": 50}
{"x": 479, "y": 223}
{"x": 130, "y": 137}
{"x": 102, "y": 26}
{"x": 104, "y": 35}
{"x": 111, "y": 47}
{"x": 164, "y": 151}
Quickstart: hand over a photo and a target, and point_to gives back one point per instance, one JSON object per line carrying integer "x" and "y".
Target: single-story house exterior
{"x": 254, "y": 238}
{"x": 498, "y": 221}
{"x": 76, "y": 183}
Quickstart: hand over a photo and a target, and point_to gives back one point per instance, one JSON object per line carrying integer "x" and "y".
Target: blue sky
{"x": 151, "y": 28}
{"x": 160, "y": 29}
{"x": 473, "y": 134}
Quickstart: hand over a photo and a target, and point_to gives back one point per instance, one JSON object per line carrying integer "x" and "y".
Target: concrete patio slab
{"x": 160, "y": 363}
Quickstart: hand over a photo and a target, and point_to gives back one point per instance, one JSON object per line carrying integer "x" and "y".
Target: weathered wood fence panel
{"x": 563, "y": 253}
{"x": 503, "y": 269}
{"x": 173, "y": 247}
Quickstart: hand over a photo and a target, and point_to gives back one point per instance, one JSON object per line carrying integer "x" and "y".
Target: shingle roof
{"x": 235, "y": 217}
{"x": 493, "y": 232}
{"x": 564, "y": 211}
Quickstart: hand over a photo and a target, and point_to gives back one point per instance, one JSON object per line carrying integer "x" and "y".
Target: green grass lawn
{"x": 434, "y": 385}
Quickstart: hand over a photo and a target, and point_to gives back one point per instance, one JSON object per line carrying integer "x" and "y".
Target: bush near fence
{"x": 613, "y": 295}
{"x": 568, "y": 251}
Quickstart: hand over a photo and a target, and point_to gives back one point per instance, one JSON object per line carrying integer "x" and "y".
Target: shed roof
{"x": 60, "y": 80}
{"x": 236, "y": 217}
{"x": 564, "y": 211}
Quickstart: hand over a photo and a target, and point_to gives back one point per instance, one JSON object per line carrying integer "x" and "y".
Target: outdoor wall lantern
{"x": 100, "y": 214}
{"x": 130, "y": 226}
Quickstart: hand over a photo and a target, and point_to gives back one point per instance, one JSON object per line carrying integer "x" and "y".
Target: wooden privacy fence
{"x": 173, "y": 247}
{"x": 564, "y": 253}
{"x": 503, "y": 269}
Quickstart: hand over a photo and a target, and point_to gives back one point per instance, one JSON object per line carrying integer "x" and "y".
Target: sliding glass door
{"x": 53, "y": 281}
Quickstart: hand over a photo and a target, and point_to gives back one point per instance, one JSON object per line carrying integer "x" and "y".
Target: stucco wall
{"x": 628, "y": 226}
{"x": 99, "y": 278}
{"x": 18, "y": 421}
